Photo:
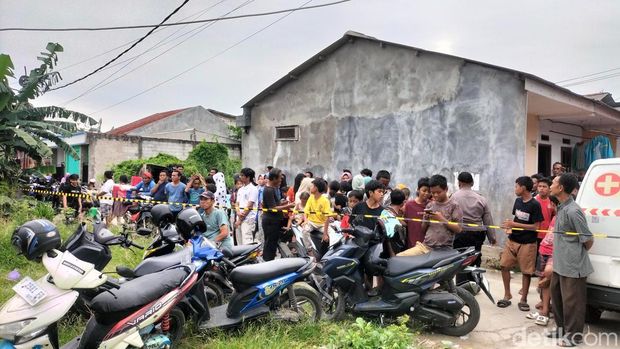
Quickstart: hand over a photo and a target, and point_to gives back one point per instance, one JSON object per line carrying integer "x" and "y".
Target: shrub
{"x": 364, "y": 334}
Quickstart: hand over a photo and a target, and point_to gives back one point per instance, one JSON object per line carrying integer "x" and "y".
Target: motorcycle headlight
{"x": 8, "y": 331}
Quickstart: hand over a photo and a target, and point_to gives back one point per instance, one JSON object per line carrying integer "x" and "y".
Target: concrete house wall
{"x": 413, "y": 113}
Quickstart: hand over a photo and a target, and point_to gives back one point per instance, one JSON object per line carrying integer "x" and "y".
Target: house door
{"x": 544, "y": 159}
{"x": 72, "y": 165}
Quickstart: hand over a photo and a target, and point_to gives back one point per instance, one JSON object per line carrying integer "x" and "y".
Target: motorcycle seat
{"x": 249, "y": 275}
{"x": 242, "y": 249}
{"x": 159, "y": 263}
{"x": 138, "y": 292}
{"x": 401, "y": 264}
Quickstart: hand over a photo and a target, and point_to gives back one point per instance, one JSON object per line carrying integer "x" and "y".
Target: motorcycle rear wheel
{"x": 469, "y": 318}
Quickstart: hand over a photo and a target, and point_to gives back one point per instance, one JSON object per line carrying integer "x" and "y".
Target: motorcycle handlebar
{"x": 111, "y": 284}
{"x": 135, "y": 245}
{"x": 228, "y": 262}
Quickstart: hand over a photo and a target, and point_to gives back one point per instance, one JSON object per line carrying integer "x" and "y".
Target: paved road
{"x": 508, "y": 327}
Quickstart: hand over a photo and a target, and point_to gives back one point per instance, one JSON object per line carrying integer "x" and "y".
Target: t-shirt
{"x": 546, "y": 245}
{"x": 160, "y": 193}
{"x": 270, "y": 200}
{"x": 193, "y": 195}
{"x": 145, "y": 189}
{"x": 362, "y": 209}
{"x": 438, "y": 236}
{"x": 214, "y": 222}
{"x": 107, "y": 189}
{"x": 175, "y": 193}
{"x": 122, "y": 191}
{"x": 245, "y": 195}
{"x": 526, "y": 213}
{"x": 545, "y": 207}
{"x": 318, "y": 210}
{"x": 414, "y": 229}
{"x": 72, "y": 200}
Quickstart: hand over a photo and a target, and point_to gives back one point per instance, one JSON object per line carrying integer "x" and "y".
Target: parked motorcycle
{"x": 421, "y": 286}
{"x": 139, "y": 313}
{"x": 138, "y": 214}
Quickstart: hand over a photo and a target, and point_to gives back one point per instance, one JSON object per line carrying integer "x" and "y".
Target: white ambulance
{"x": 599, "y": 196}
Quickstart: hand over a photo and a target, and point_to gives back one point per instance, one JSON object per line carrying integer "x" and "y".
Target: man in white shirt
{"x": 105, "y": 205}
{"x": 247, "y": 202}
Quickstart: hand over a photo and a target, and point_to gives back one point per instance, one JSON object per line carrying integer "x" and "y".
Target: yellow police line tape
{"x": 419, "y": 220}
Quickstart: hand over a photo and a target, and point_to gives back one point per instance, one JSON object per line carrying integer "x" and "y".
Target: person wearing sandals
{"x": 571, "y": 264}
{"x": 520, "y": 248}
{"x": 544, "y": 269}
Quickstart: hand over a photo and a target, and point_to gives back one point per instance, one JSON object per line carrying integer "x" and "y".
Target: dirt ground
{"x": 508, "y": 327}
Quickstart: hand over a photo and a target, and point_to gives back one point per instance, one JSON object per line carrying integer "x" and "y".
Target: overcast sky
{"x": 555, "y": 40}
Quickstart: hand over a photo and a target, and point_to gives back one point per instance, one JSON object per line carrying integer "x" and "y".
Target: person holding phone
{"x": 437, "y": 214}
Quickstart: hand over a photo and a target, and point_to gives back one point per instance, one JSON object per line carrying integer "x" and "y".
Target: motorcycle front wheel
{"x": 177, "y": 322}
{"x": 214, "y": 293}
{"x": 307, "y": 307}
{"x": 333, "y": 309}
{"x": 468, "y": 317}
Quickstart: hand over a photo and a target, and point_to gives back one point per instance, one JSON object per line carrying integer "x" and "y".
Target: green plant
{"x": 132, "y": 167}
{"x": 364, "y": 334}
{"x": 24, "y": 127}
{"x": 235, "y": 132}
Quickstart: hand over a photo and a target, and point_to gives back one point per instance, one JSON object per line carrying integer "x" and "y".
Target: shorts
{"x": 542, "y": 262}
{"x": 105, "y": 210}
{"x": 523, "y": 255}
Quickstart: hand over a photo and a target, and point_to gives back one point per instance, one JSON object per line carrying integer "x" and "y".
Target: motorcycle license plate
{"x": 30, "y": 291}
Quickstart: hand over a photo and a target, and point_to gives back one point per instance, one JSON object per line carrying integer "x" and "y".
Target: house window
{"x": 287, "y": 133}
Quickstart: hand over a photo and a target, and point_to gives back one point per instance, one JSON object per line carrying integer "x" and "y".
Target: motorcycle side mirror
{"x": 144, "y": 231}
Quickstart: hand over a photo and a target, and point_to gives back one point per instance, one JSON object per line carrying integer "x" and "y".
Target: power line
{"x": 196, "y": 31}
{"x": 587, "y": 81}
{"x": 204, "y": 61}
{"x": 125, "y": 51}
{"x": 586, "y": 76}
{"x": 172, "y": 24}
{"x": 195, "y": 15}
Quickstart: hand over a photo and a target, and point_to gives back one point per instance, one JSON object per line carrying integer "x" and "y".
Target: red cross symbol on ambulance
{"x": 607, "y": 184}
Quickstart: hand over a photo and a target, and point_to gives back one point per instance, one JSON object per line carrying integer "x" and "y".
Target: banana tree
{"x": 24, "y": 127}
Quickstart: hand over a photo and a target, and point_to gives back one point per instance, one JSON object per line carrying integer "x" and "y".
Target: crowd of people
{"x": 413, "y": 225}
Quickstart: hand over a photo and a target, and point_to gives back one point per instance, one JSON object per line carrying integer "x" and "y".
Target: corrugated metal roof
{"x": 122, "y": 130}
{"x": 351, "y": 36}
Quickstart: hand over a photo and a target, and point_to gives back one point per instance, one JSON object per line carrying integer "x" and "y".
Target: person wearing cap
{"x": 215, "y": 220}
{"x": 146, "y": 185}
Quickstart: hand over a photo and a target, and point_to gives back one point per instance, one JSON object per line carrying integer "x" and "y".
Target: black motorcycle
{"x": 420, "y": 286}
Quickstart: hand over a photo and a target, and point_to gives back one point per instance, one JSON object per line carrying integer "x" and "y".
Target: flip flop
{"x": 542, "y": 320}
{"x": 555, "y": 333}
{"x": 524, "y": 307}
{"x": 566, "y": 343}
{"x": 503, "y": 303}
{"x": 532, "y": 316}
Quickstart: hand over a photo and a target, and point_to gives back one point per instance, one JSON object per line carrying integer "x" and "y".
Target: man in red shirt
{"x": 414, "y": 209}
{"x": 545, "y": 205}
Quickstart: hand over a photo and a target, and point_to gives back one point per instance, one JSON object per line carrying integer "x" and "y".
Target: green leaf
{"x": 25, "y": 137}
{"x": 6, "y": 66}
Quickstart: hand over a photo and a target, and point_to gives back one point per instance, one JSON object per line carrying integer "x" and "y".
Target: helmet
{"x": 189, "y": 221}
{"x": 35, "y": 237}
{"x": 161, "y": 215}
